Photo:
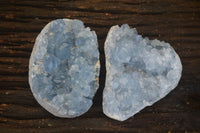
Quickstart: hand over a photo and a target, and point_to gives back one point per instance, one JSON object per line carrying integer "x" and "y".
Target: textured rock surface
{"x": 64, "y": 68}
{"x": 139, "y": 72}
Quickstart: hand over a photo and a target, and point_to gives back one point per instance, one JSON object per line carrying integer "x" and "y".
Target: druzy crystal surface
{"x": 64, "y": 68}
{"x": 139, "y": 72}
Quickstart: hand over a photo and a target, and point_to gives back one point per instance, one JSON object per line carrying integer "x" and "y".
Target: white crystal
{"x": 64, "y": 68}
{"x": 139, "y": 72}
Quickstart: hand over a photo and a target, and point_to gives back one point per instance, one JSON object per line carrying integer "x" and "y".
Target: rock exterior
{"x": 139, "y": 72}
{"x": 64, "y": 68}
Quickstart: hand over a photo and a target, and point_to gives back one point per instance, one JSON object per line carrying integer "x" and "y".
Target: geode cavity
{"x": 64, "y": 68}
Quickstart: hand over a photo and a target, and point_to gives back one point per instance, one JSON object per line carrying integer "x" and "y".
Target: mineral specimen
{"x": 139, "y": 72}
{"x": 64, "y": 68}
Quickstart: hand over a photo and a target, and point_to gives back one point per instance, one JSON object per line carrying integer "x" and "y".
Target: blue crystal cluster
{"x": 64, "y": 68}
{"x": 139, "y": 72}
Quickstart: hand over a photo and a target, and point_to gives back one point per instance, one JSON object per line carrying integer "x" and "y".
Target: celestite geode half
{"x": 64, "y": 68}
{"x": 139, "y": 72}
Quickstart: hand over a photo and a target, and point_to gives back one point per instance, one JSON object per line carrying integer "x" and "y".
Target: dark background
{"x": 174, "y": 21}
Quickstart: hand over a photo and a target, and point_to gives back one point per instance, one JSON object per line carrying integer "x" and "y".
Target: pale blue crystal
{"x": 139, "y": 72}
{"x": 64, "y": 68}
